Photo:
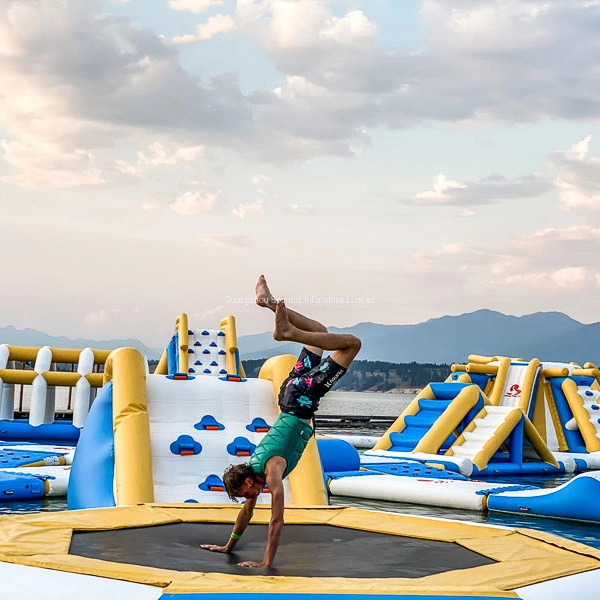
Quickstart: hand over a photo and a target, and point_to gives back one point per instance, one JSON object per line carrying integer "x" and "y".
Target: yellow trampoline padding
{"x": 306, "y": 480}
{"x": 524, "y": 557}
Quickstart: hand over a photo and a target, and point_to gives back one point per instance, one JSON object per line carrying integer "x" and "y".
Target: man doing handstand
{"x": 280, "y": 450}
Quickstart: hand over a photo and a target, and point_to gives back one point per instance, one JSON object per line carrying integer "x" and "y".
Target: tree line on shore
{"x": 377, "y": 376}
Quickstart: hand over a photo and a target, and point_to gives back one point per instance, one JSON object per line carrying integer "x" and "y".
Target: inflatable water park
{"x": 140, "y": 463}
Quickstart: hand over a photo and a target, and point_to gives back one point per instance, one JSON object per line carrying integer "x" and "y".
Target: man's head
{"x": 242, "y": 482}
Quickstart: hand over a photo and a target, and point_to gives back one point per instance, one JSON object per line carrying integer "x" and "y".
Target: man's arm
{"x": 274, "y": 472}
{"x": 241, "y": 522}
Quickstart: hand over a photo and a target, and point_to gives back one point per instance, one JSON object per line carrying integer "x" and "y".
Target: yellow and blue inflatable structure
{"x": 488, "y": 420}
{"x": 168, "y": 436}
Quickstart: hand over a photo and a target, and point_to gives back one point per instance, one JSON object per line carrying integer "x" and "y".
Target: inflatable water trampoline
{"x": 152, "y": 551}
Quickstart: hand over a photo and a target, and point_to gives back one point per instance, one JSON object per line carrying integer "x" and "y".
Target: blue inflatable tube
{"x": 337, "y": 455}
{"x": 573, "y": 500}
{"x": 59, "y": 432}
{"x": 20, "y": 487}
{"x": 94, "y": 457}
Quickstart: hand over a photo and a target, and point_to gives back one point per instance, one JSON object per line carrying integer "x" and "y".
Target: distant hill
{"x": 551, "y": 336}
{"x": 33, "y": 337}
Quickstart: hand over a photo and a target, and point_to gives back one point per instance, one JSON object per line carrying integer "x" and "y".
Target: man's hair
{"x": 234, "y": 477}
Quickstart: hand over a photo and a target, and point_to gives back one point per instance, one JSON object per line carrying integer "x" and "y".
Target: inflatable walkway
{"x": 415, "y": 482}
{"x": 168, "y": 436}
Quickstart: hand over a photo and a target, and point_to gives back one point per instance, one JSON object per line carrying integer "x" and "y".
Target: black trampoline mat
{"x": 304, "y": 551}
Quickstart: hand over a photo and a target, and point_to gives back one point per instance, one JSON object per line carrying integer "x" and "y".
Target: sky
{"x": 388, "y": 161}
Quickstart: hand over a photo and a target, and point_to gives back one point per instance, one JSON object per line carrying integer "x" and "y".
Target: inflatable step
{"x": 435, "y": 406}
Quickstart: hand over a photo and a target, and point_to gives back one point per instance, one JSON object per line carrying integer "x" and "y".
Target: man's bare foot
{"x": 263, "y": 294}
{"x": 283, "y": 328}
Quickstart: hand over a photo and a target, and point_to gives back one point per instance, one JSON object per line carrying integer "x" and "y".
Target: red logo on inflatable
{"x": 514, "y": 391}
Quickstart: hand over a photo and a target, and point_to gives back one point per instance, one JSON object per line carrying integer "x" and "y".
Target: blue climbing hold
{"x": 209, "y": 423}
{"x": 241, "y": 447}
{"x": 258, "y": 425}
{"x": 185, "y": 445}
{"x": 213, "y": 483}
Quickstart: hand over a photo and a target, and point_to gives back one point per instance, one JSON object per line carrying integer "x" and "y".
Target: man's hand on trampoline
{"x": 251, "y": 563}
{"x": 214, "y": 548}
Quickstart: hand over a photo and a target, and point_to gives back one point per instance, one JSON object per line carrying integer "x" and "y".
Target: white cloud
{"x": 546, "y": 264}
{"x": 44, "y": 164}
{"x": 195, "y": 6}
{"x": 160, "y": 154}
{"x": 254, "y": 209}
{"x": 570, "y": 276}
{"x": 75, "y": 92}
{"x": 552, "y": 259}
{"x": 215, "y": 25}
{"x": 573, "y": 174}
{"x": 578, "y": 178}
{"x": 438, "y": 194}
{"x": 93, "y": 82}
{"x": 353, "y": 27}
{"x": 488, "y": 189}
{"x": 205, "y": 199}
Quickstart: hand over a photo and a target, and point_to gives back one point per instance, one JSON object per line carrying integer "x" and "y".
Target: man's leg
{"x": 265, "y": 298}
{"x": 344, "y": 345}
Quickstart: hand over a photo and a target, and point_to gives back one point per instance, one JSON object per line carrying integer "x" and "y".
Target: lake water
{"x": 368, "y": 404}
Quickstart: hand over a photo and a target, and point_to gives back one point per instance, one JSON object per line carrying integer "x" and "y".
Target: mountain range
{"x": 33, "y": 337}
{"x": 550, "y": 336}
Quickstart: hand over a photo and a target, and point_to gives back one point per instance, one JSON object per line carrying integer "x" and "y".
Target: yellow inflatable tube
{"x": 449, "y": 420}
{"x": 133, "y": 462}
{"x": 582, "y": 417}
{"x": 538, "y": 442}
{"x": 498, "y": 389}
{"x": 306, "y": 480}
